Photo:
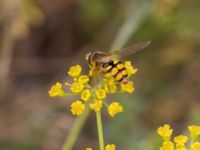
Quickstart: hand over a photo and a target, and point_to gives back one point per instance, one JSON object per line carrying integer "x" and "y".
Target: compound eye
{"x": 107, "y": 63}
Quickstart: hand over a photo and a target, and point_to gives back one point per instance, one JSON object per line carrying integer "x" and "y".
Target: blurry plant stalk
{"x": 16, "y": 27}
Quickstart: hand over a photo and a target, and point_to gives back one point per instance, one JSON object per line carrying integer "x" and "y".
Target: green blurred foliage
{"x": 167, "y": 83}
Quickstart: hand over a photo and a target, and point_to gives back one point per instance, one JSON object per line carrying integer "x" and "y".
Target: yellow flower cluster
{"x": 93, "y": 96}
{"x": 114, "y": 108}
{"x": 180, "y": 141}
{"x": 56, "y": 90}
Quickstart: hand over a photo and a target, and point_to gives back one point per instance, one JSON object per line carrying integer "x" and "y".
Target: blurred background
{"x": 41, "y": 39}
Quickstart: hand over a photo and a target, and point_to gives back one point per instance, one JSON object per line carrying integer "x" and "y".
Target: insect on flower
{"x": 106, "y": 64}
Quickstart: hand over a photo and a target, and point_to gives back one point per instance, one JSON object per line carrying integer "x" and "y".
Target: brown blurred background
{"x": 40, "y": 39}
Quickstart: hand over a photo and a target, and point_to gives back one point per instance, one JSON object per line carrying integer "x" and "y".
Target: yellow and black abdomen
{"x": 118, "y": 71}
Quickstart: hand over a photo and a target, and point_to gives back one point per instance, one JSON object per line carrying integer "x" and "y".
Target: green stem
{"x": 100, "y": 130}
{"x": 74, "y": 132}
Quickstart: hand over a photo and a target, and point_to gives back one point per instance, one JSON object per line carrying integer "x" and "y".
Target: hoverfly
{"x": 105, "y": 63}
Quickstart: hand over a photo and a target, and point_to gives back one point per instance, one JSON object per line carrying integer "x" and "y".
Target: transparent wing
{"x": 131, "y": 49}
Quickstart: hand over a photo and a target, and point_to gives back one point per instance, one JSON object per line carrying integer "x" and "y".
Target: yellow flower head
{"x": 77, "y": 87}
{"x": 194, "y": 132}
{"x": 167, "y": 145}
{"x": 181, "y": 139}
{"x": 165, "y": 132}
{"x": 110, "y": 147}
{"x": 114, "y": 108}
{"x": 75, "y": 71}
{"x": 84, "y": 79}
{"x": 130, "y": 69}
{"x": 101, "y": 94}
{"x": 96, "y": 105}
{"x": 77, "y": 108}
{"x": 56, "y": 90}
{"x": 195, "y": 146}
{"x": 88, "y": 148}
{"x": 129, "y": 87}
{"x": 85, "y": 95}
{"x": 110, "y": 86}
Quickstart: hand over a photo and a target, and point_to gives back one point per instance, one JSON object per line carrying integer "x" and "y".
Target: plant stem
{"x": 100, "y": 130}
{"x": 74, "y": 132}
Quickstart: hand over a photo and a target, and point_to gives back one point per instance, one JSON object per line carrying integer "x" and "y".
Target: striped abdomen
{"x": 117, "y": 70}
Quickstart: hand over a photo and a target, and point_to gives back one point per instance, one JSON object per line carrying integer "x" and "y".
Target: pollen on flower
{"x": 77, "y": 108}
{"x": 96, "y": 105}
{"x": 83, "y": 79}
{"x": 194, "y": 131}
{"x": 110, "y": 147}
{"x": 75, "y": 71}
{"x": 167, "y": 145}
{"x": 129, "y": 87}
{"x": 56, "y": 90}
{"x": 130, "y": 69}
{"x": 165, "y": 132}
{"x": 101, "y": 93}
{"x": 114, "y": 108}
{"x": 77, "y": 87}
{"x": 85, "y": 95}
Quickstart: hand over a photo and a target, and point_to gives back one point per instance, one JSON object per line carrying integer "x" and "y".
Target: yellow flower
{"x": 195, "y": 146}
{"x": 101, "y": 93}
{"x": 77, "y": 108}
{"x": 76, "y": 87}
{"x": 83, "y": 79}
{"x": 110, "y": 86}
{"x": 114, "y": 108}
{"x": 56, "y": 90}
{"x": 130, "y": 69}
{"x": 194, "y": 132}
{"x": 96, "y": 105}
{"x": 165, "y": 132}
{"x": 88, "y": 148}
{"x": 167, "y": 145}
{"x": 129, "y": 87}
{"x": 85, "y": 95}
{"x": 110, "y": 147}
{"x": 181, "y": 139}
{"x": 180, "y": 142}
{"x": 75, "y": 71}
